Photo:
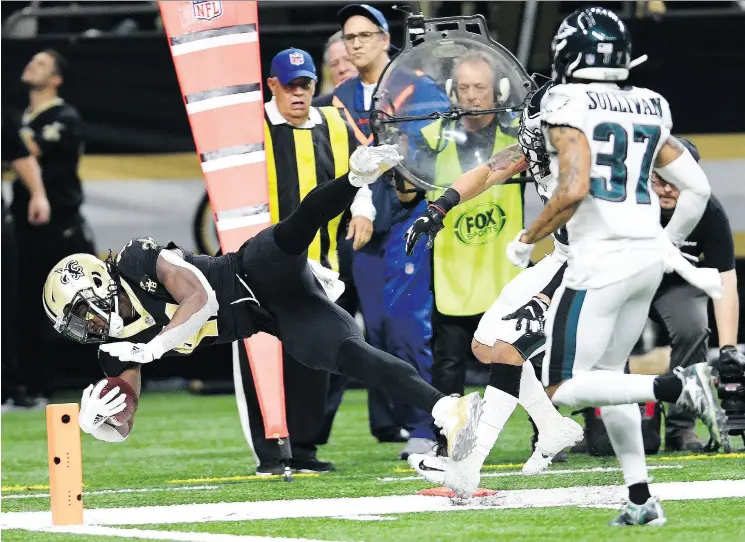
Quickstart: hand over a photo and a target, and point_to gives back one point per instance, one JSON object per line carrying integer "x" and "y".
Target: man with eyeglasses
{"x": 394, "y": 319}
{"x": 306, "y": 147}
{"x": 682, "y": 308}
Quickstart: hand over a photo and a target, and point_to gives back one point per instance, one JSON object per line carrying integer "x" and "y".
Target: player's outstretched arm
{"x": 197, "y": 303}
{"x": 196, "y": 299}
{"x": 573, "y": 186}
{"x": 502, "y": 166}
{"x": 677, "y": 166}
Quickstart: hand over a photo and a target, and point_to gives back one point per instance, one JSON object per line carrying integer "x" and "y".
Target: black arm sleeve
{"x": 718, "y": 242}
{"x": 554, "y": 283}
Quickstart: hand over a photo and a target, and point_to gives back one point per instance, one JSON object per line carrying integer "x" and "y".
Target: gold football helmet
{"x": 81, "y": 298}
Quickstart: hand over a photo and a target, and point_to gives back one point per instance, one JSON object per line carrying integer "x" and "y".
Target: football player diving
{"x": 153, "y": 301}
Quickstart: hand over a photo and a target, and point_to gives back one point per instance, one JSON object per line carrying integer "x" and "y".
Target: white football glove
{"x": 368, "y": 163}
{"x": 95, "y": 410}
{"x": 135, "y": 352}
{"x": 519, "y": 252}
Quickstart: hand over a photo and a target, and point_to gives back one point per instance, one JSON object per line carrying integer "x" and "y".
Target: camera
{"x": 730, "y": 384}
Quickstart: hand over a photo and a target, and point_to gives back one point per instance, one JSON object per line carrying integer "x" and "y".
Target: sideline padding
{"x": 215, "y": 50}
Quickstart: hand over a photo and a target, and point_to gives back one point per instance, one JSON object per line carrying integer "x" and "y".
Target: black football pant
{"x": 39, "y": 249}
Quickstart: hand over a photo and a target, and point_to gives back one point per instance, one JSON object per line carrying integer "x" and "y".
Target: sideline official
{"x": 305, "y": 146}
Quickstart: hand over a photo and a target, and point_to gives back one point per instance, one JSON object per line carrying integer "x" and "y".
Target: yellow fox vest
{"x": 470, "y": 266}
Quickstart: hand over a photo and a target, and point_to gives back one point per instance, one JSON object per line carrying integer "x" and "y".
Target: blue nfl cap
{"x": 364, "y": 10}
{"x": 291, "y": 64}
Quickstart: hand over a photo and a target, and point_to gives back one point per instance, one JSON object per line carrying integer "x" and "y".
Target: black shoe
{"x": 561, "y": 457}
{"x": 270, "y": 467}
{"x": 684, "y": 441}
{"x": 580, "y": 447}
{"x": 310, "y": 465}
{"x": 392, "y": 434}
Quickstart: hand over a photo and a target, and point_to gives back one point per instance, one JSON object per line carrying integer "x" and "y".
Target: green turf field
{"x": 190, "y": 450}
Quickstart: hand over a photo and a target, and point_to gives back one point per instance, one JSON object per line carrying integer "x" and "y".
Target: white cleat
{"x": 699, "y": 397}
{"x": 459, "y": 422}
{"x": 550, "y": 443}
{"x": 428, "y": 467}
{"x": 463, "y": 477}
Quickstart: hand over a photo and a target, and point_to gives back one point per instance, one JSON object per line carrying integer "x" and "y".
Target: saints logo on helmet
{"x": 81, "y": 298}
{"x": 591, "y": 44}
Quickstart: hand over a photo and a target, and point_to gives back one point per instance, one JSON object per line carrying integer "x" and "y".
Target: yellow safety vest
{"x": 470, "y": 267}
{"x": 305, "y": 169}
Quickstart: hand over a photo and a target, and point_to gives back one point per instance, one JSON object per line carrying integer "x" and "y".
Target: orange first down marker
{"x": 65, "y": 464}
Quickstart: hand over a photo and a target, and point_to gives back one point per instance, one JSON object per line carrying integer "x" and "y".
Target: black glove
{"x": 729, "y": 354}
{"x": 430, "y": 222}
{"x": 532, "y": 314}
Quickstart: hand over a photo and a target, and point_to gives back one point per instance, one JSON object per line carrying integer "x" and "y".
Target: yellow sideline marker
{"x": 698, "y": 457}
{"x": 239, "y": 478}
{"x": 65, "y": 464}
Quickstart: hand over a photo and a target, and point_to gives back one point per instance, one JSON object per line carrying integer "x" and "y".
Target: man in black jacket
{"x": 682, "y": 308}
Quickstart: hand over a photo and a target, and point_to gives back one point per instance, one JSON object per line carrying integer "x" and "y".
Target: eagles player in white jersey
{"x": 511, "y": 331}
{"x": 603, "y": 141}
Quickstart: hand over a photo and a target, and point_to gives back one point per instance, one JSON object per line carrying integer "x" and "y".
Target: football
{"x": 125, "y": 415}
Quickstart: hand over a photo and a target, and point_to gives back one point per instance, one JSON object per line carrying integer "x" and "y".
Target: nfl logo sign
{"x": 206, "y": 10}
{"x": 296, "y": 59}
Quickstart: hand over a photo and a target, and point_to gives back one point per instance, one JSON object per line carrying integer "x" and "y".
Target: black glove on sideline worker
{"x": 430, "y": 221}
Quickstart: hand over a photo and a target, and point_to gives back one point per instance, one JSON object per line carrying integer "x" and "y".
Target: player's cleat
{"x": 458, "y": 423}
{"x": 649, "y": 513}
{"x": 422, "y": 446}
{"x": 698, "y": 397}
{"x": 551, "y": 443}
{"x": 461, "y": 476}
{"x": 431, "y": 468}
{"x": 464, "y": 476}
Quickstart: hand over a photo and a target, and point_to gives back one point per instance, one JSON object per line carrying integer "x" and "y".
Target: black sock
{"x": 667, "y": 388}
{"x": 639, "y": 493}
{"x": 506, "y": 378}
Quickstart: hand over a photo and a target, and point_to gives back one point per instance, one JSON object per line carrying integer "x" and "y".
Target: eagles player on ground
{"x": 153, "y": 301}
{"x": 617, "y": 254}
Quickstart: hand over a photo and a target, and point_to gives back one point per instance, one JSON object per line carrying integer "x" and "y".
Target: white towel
{"x": 328, "y": 278}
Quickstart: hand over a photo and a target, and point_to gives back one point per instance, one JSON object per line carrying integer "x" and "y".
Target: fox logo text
{"x": 480, "y": 224}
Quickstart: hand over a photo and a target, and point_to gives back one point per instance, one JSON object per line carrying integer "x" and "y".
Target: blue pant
{"x": 396, "y": 302}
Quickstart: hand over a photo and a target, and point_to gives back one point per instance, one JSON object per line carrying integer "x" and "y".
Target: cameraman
{"x": 682, "y": 308}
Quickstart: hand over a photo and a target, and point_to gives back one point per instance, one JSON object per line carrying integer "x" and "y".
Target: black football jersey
{"x": 239, "y": 315}
{"x": 57, "y": 129}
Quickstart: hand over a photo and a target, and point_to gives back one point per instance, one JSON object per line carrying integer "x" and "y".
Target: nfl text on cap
{"x": 291, "y": 64}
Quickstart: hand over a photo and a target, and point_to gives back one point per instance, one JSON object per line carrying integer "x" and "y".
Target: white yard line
{"x": 396, "y": 505}
{"x": 113, "y": 492}
{"x": 547, "y": 473}
{"x": 93, "y": 530}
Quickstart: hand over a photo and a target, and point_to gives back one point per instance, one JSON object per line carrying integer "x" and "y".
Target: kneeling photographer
{"x": 682, "y": 308}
